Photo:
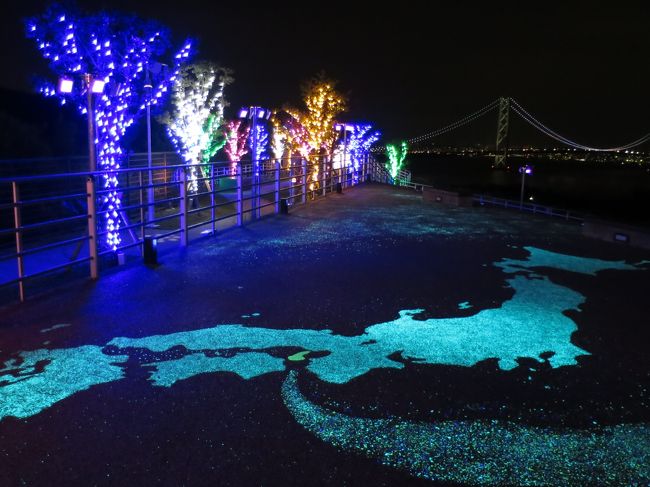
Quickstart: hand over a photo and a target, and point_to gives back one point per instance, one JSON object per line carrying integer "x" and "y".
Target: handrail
{"x": 250, "y": 192}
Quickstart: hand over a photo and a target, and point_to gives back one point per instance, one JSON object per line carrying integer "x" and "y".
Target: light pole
{"x": 92, "y": 86}
{"x": 254, "y": 114}
{"x": 525, "y": 169}
{"x": 150, "y": 191}
{"x": 345, "y": 128}
{"x": 150, "y": 68}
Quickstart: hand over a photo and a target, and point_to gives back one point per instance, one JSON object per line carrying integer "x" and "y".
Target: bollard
{"x": 284, "y": 207}
{"x": 150, "y": 251}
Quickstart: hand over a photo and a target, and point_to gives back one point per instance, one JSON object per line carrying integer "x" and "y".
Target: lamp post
{"x": 150, "y": 68}
{"x": 525, "y": 169}
{"x": 93, "y": 86}
{"x": 345, "y": 128}
{"x": 150, "y": 192}
{"x": 254, "y": 114}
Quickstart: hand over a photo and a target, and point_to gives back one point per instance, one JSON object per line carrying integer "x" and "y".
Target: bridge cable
{"x": 459, "y": 123}
{"x": 526, "y": 116}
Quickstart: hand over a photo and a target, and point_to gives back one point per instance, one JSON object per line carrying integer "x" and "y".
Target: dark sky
{"x": 582, "y": 69}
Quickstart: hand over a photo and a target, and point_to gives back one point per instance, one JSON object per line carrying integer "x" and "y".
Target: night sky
{"x": 582, "y": 69}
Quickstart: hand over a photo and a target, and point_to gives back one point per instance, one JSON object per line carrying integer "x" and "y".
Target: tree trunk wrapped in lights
{"x": 350, "y": 154}
{"x": 260, "y": 147}
{"x": 396, "y": 155}
{"x": 113, "y": 51}
{"x": 323, "y": 103}
{"x": 236, "y": 142}
{"x": 195, "y": 123}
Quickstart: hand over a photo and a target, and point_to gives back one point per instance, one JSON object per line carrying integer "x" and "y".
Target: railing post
{"x": 277, "y": 186}
{"x": 183, "y": 208}
{"x": 304, "y": 180}
{"x": 213, "y": 212}
{"x": 92, "y": 226}
{"x": 166, "y": 176}
{"x": 19, "y": 241}
{"x": 240, "y": 195}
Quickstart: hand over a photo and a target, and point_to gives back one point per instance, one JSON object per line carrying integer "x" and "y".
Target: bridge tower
{"x": 503, "y": 121}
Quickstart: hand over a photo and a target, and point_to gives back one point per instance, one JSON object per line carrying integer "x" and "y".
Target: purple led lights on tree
{"x": 260, "y": 147}
{"x": 113, "y": 49}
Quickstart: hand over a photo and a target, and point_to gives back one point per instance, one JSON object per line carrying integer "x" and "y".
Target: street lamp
{"x": 93, "y": 86}
{"x": 524, "y": 170}
{"x": 345, "y": 128}
{"x": 150, "y": 68}
{"x": 254, "y": 114}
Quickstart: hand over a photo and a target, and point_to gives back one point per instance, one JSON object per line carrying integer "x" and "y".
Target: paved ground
{"x": 365, "y": 339}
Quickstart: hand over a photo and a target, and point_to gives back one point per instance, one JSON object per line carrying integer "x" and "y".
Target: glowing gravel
{"x": 245, "y": 365}
{"x": 483, "y": 452}
{"x": 29, "y": 390}
{"x": 530, "y": 324}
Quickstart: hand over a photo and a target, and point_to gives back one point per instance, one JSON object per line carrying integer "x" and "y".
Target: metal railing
{"x": 54, "y": 222}
{"x": 528, "y": 207}
{"x": 404, "y": 179}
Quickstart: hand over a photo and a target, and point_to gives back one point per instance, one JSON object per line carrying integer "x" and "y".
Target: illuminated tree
{"x": 116, "y": 50}
{"x": 396, "y": 156}
{"x": 356, "y": 146}
{"x": 323, "y": 103}
{"x": 279, "y": 139}
{"x": 236, "y": 138}
{"x": 288, "y": 137}
{"x": 195, "y": 122}
{"x": 262, "y": 144}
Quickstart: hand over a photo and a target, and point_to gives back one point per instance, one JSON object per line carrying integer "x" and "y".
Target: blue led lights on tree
{"x": 113, "y": 49}
{"x": 359, "y": 143}
{"x": 262, "y": 144}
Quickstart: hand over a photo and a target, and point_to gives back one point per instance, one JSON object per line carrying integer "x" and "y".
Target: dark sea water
{"x": 605, "y": 190}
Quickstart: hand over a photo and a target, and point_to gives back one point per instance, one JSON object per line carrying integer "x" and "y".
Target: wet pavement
{"x": 364, "y": 339}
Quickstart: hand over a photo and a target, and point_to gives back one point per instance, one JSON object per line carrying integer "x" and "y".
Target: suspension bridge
{"x": 504, "y": 107}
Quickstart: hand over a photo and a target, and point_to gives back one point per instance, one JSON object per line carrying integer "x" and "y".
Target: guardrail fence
{"x": 53, "y": 222}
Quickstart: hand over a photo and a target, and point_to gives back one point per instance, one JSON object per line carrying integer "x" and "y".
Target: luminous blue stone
{"x": 483, "y": 452}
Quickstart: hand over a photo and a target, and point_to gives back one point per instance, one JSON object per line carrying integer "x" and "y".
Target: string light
{"x": 396, "y": 156}
{"x": 236, "y": 138}
{"x": 111, "y": 48}
{"x": 262, "y": 144}
{"x": 357, "y": 145}
{"x": 323, "y": 103}
{"x": 195, "y": 122}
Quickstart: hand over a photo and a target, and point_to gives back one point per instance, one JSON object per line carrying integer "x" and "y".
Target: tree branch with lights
{"x": 107, "y": 54}
{"x": 236, "y": 134}
{"x": 195, "y": 122}
{"x": 322, "y": 105}
{"x": 396, "y": 155}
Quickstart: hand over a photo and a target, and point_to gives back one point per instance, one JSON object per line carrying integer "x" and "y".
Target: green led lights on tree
{"x": 195, "y": 121}
{"x": 396, "y": 156}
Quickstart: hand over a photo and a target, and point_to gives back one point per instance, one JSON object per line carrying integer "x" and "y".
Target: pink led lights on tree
{"x": 236, "y": 142}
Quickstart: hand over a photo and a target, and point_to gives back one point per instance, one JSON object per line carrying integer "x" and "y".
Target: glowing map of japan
{"x": 531, "y": 324}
